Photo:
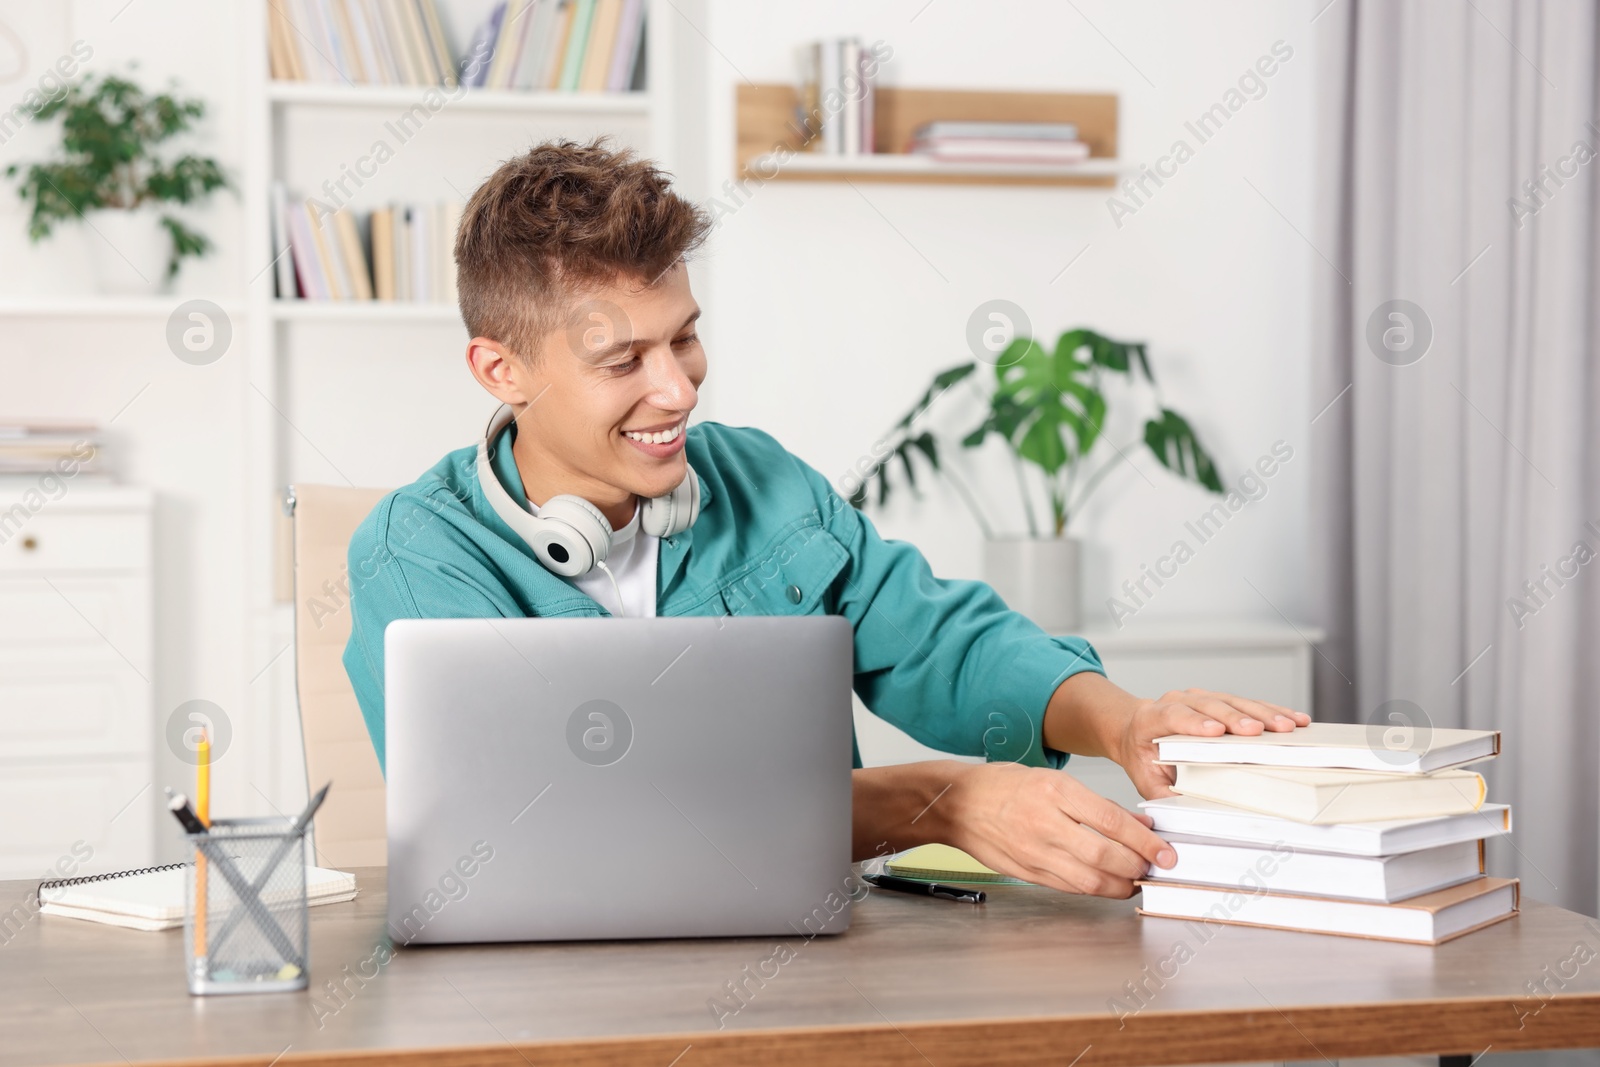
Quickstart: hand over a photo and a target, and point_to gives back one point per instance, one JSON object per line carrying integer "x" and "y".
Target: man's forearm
{"x": 1088, "y": 715}
{"x": 900, "y": 807}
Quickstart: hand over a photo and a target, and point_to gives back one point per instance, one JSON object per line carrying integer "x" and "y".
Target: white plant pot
{"x": 129, "y": 250}
{"x": 1038, "y": 577}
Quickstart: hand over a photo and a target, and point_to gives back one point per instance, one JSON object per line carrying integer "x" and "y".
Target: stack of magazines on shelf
{"x": 42, "y": 446}
{"x": 838, "y": 96}
{"x": 400, "y": 252}
{"x": 576, "y": 45}
{"x": 1333, "y": 828}
{"x": 1041, "y": 143}
{"x": 583, "y": 45}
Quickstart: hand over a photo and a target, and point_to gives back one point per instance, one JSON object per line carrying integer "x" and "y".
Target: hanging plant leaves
{"x": 1178, "y": 449}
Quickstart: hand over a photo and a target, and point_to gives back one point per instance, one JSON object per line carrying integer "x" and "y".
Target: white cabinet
{"x": 1264, "y": 660}
{"x": 76, "y": 730}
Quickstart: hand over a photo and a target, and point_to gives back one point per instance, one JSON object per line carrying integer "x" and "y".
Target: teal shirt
{"x": 942, "y": 659}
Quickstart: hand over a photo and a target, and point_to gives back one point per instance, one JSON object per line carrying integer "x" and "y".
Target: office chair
{"x": 350, "y": 829}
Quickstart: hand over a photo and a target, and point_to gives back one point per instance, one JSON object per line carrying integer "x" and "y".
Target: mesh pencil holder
{"x": 244, "y": 920}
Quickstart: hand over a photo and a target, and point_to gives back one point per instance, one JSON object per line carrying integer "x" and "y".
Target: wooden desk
{"x": 1025, "y": 978}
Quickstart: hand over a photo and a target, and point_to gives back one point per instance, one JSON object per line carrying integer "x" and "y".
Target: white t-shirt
{"x": 633, "y": 560}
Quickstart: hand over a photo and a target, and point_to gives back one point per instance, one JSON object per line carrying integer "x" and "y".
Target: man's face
{"x": 627, "y": 359}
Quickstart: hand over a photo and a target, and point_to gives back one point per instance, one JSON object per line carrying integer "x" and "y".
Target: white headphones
{"x": 570, "y": 536}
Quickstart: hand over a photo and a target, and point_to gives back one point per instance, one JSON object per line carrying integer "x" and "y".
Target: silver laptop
{"x": 555, "y": 779}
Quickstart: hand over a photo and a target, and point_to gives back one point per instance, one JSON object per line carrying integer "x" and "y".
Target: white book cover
{"x": 829, "y": 97}
{"x": 1284, "y": 869}
{"x": 1320, "y": 796}
{"x": 1389, "y": 748}
{"x": 850, "y": 88}
{"x": 1208, "y": 819}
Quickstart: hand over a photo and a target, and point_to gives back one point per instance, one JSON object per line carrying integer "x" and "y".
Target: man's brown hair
{"x": 558, "y": 219}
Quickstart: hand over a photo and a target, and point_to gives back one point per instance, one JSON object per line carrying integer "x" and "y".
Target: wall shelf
{"x": 766, "y": 125}
{"x": 902, "y": 166}
{"x": 328, "y": 94}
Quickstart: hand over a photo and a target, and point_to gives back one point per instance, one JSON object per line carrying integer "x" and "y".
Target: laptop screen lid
{"x": 553, "y": 779}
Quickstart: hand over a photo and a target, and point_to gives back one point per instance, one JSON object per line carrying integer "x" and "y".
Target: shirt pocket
{"x": 792, "y": 576}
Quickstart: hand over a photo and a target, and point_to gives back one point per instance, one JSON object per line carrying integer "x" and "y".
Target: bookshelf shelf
{"x": 766, "y": 126}
{"x": 102, "y": 307}
{"x": 325, "y": 94}
{"x": 364, "y": 311}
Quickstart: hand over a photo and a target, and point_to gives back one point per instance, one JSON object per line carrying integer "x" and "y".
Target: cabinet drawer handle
{"x": 30, "y": 543}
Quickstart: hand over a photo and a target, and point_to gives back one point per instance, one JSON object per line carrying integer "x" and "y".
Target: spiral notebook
{"x": 152, "y": 898}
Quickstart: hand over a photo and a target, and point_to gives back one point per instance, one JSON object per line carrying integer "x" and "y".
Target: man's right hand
{"x": 1047, "y": 827}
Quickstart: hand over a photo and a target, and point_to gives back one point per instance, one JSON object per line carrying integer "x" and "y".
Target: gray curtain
{"x": 1456, "y": 504}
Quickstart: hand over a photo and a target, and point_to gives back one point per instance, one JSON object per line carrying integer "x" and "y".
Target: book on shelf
{"x": 838, "y": 99}
{"x": 572, "y": 45}
{"x": 999, "y": 150}
{"x": 980, "y": 141}
{"x": 397, "y": 252}
{"x": 44, "y": 446}
{"x": 984, "y": 129}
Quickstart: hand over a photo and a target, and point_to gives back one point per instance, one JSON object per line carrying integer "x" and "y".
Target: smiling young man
{"x": 573, "y": 286}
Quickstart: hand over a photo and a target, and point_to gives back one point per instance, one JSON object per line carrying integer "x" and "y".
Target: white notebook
{"x": 153, "y": 898}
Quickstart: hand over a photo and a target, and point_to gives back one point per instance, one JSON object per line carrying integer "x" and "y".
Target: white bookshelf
{"x": 375, "y": 311}
{"x": 319, "y": 94}
{"x": 290, "y": 340}
{"x": 100, "y": 307}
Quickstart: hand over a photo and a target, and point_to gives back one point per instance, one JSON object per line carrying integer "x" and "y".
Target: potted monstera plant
{"x": 1049, "y": 407}
{"x": 112, "y": 174}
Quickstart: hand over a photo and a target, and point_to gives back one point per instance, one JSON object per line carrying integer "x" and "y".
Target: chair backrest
{"x": 350, "y": 828}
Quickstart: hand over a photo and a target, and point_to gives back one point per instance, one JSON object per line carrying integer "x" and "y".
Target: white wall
{"x": 833, "y": 306}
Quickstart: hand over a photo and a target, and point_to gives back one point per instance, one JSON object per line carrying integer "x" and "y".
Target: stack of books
{"x": 577, "y": 45}
{"x": 372, "y": 42}
{"x": 1327, "y": 830}
{"x": 838, "y": 101}
{"x": 581, "y": 45}
{"x": 402, "y": 252}
{"x": 42, "y": 447}
{"x": 1044, "y": 143}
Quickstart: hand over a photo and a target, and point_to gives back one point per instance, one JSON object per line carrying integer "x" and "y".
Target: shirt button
{"x": 794, "y": 594}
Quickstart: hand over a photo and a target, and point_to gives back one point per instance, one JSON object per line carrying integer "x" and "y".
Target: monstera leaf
{"x": 1173, "y": 441}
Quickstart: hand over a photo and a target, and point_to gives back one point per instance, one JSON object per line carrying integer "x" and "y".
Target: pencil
{"x": 202, "y": 809}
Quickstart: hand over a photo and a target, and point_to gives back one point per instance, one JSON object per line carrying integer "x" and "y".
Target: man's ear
{"x": 500, "y": 372}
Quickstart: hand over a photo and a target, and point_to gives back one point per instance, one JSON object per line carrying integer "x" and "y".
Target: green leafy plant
{"x": 1049, "y": 408}
{"x": 110, "y": 132}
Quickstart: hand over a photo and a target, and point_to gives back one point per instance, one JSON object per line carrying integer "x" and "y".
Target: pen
{"x": 927, "y": 889}
{"x": 179, "y": 804}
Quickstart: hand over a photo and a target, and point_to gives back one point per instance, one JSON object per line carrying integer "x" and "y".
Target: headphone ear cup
{"x": 664, "y": 516}
{"x": 571, "y": 537}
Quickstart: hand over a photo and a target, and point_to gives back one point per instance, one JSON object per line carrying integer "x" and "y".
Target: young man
{"x": 573, "y": 286}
